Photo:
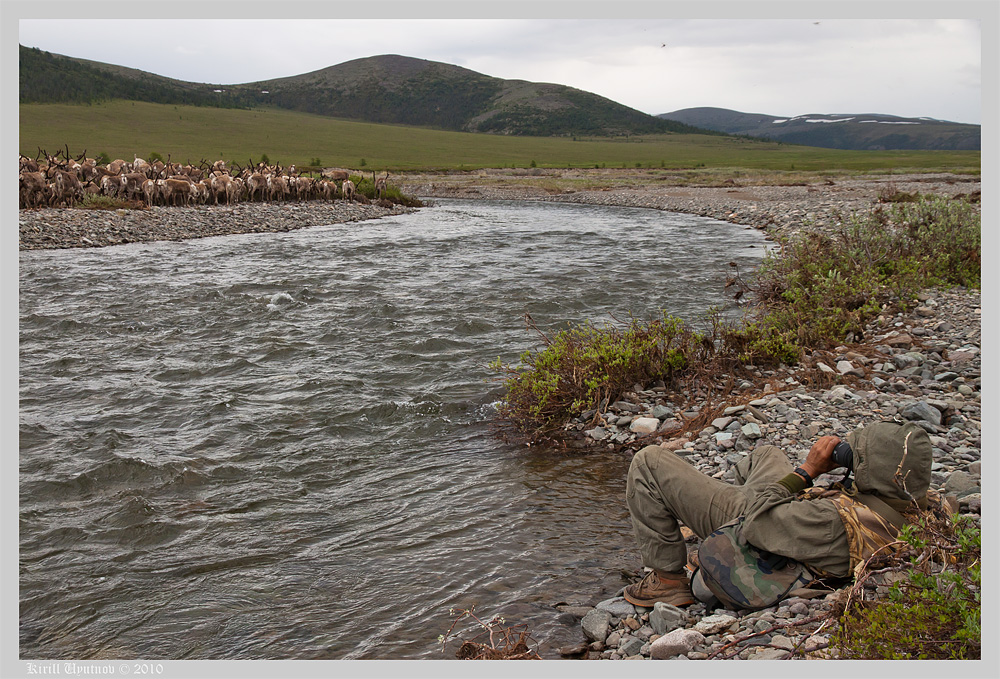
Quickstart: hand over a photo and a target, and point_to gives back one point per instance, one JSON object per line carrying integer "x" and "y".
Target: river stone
{"x": 644, "y": 425}
{"x": 670, "y": 426}
{"x": 678, "y": 642}
{"x": 596, "y": 624}
{"x": 665, "y": 617}
{"x": 958, "y": 357}
{"x": 961, "y": 483}
{"x": 713, "y": 624}
{"x": 782, "y": 641}
{"x": 902, "y": 340}
{"x": 844, "y": 367}
{"x": 631, "y": 647}
{"x": 597, "y": 433}
{"x": 721, "y": 423}
{"x": 751, "y": 430}
{"x": 625, "y": 406}
{"x": 617, "y": 607}
{"x": 921, "y": 410}
{"x": 823, "y": 367}
{"x": 661, "y": 412}
{"x": 768, "y": 654}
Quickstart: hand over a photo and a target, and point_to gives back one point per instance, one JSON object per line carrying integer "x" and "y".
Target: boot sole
{"x": 648, "y": 603}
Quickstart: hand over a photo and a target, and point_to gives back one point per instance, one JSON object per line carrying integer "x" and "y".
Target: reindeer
{"x": 348, "y": 189}
{"x": 148, "y": 190}
{"x": 66, "y": 188}
{"x": 179, "y": 188}
{"x": 380, "y": 184}
{"x": 117, "y": 166}
{"x": 141, "y": 166}
{"x": 201, "y": 191}
{"x": 27, "y": 164}
{"x": 277, "y": 187}
{"x": 256, "y": 185}
{"x": 334, "y": 175}
{"x": 31, "y": 189}
{"x": 221, "y": 184}
{"x": 111, "y": 186}
{"x": 327, "y": 190}
{"x": 131, "y": 184}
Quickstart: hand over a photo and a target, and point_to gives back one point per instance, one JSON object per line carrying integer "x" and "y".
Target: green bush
{"x": 933, "y": 611}
{"x": 818, "y": 289}
{"x": 585, "y": 366}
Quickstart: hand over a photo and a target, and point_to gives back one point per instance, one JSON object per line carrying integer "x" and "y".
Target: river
{"x": 280, "y": 445}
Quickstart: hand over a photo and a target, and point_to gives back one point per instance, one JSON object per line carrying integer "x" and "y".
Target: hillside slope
{"x": 867, "y": 131}
{"x": 404, "y": 90}
{"x": 383, "y": 89}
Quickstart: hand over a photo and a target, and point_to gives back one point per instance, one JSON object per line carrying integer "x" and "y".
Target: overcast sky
{"x": 783, "y": 67}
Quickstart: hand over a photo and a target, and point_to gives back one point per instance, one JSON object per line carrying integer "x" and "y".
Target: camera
{"x": 843, "y": 455}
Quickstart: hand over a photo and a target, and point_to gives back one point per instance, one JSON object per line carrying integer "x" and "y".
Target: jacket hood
{"x": 885, "y": 448}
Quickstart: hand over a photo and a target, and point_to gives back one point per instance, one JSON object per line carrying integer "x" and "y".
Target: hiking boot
{"x": 670, "y": 588}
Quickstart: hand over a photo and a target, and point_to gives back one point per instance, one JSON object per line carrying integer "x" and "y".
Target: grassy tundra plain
{"x": 122, "y": 129}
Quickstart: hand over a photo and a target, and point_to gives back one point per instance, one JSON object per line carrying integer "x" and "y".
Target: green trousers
{"x": 663, "y": 489}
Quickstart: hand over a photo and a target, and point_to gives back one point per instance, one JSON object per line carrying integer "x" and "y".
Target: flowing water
{"x": 279, "y": 445}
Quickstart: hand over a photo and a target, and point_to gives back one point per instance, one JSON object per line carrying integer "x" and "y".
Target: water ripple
{"x": 280, "y": 447}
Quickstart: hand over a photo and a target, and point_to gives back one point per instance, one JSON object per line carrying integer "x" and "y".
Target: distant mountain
{"x": 382, "y": 89}
{"x": 864, "y": 131}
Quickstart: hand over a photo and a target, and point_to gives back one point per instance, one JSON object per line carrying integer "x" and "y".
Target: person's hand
{"x": 820, "y": 457}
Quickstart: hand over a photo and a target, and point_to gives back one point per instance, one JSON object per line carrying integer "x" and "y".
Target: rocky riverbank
{"x": 54, "y": 228}
{"x": 924, "y": 366}
{"x": 779, "y": 204}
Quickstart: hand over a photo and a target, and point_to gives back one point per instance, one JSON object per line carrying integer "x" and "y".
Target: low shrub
{"x": 932, "y": 610}
{"x": 819, "y": 289}
{"x": 585, "y": 366}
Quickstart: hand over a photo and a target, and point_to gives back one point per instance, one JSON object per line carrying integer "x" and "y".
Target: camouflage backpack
{"x": 742, "y": 576}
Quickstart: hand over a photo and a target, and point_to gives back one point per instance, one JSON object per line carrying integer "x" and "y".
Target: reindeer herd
{"x": 61, "y": 180}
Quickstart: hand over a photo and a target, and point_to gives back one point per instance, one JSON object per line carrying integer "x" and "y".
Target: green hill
{"x": 389, "y": 89}
{"x": 53, "y": 78}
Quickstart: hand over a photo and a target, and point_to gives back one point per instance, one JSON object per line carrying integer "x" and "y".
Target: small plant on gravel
{"x": 496, "y": 641}
{"x": 932, "y": 608}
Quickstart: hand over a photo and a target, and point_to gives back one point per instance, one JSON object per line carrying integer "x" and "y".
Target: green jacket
{"x": 892, "y": 468}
